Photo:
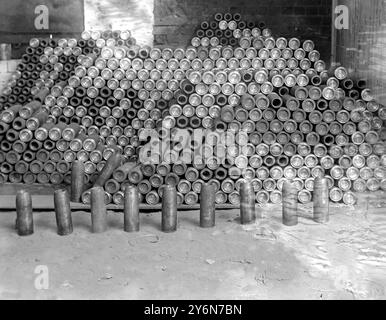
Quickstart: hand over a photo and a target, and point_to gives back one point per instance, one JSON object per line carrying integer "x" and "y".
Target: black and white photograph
{"x": 211, "y": 152}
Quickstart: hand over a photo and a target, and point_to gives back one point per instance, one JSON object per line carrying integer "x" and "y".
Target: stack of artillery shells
{"x": 263, "y": 109}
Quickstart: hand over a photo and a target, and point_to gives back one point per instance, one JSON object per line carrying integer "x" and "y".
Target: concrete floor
{"x": 345, "y": 259}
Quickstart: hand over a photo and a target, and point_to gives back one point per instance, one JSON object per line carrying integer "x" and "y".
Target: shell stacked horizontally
{"x": 265, "y": 110}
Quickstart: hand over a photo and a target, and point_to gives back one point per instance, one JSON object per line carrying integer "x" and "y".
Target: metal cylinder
{"x": 135, "y": 175}
{"x": 63, "y": 212}
{"x": 169, "y": 209}
{"x": 131, "y": 209}
{"x": 111, "y": 164}
{"x": 112, "y": 186}
{"x": 290, "y": 204}
{"x": 24, "y": 219}
{"x": 321, "y": 200}
{"x": 77, "y": 180}
{"x": 207, "y": 205}
{"x": 247, "y": 203}
{"x": 98, "y": 210}
{"x": 120, "y": 174}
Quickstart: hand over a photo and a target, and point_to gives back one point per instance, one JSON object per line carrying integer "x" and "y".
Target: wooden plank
{"x": 9, "y": 189}
{"x": 46, "y": 202}
{"x": 42, "y": 198}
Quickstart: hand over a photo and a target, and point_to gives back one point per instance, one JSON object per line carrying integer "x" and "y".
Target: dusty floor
{"x": 345, "y": 259}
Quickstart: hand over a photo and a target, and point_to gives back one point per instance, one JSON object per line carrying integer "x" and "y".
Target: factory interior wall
{"x": 176, "y": 20}
{"x": 134, "y": 15}
{"x": 173, "y": 22}
{"x": 7, "y": 67}
{"x": 362, "y": 48}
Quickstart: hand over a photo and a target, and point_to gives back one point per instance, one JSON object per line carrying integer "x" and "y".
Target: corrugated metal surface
{"x": 362, "y": 48}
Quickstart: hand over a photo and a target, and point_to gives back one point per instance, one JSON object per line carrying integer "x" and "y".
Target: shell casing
{"x": 98, "y": 210}
{"x": 24, "y": 220}
{"x": 169, "y": 209}
{"x": 207, "y": 206}
{"x": 290, "y": 204}
{"x": 131, "y": 209}
{"x": 321, "y": 200}
{"x": 247, "y": 203}
{"x": 111, "y": 164}
{"x": 77, "y": 180}
{"x": 63, "y": 212}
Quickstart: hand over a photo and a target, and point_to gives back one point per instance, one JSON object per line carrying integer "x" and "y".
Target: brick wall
{"x": 176, "y": 20}
{"x": 7, "y": 67}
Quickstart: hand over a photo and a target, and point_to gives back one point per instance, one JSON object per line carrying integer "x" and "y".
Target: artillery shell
{"x": 247, "y": 199}
{"x": 24, "y": 220}
{"x": 77, "y": 180}
{"x": 321, "y": 200}
{"x": 63, "y": 212}
{"x": 169, "y": 209}
{"x": 98, "y": 210}
{"x": 112, "y": 163}
{"x": 207, "y": 205}
{"x": 131, "y": 209}
{"x": 290, "y": 204}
